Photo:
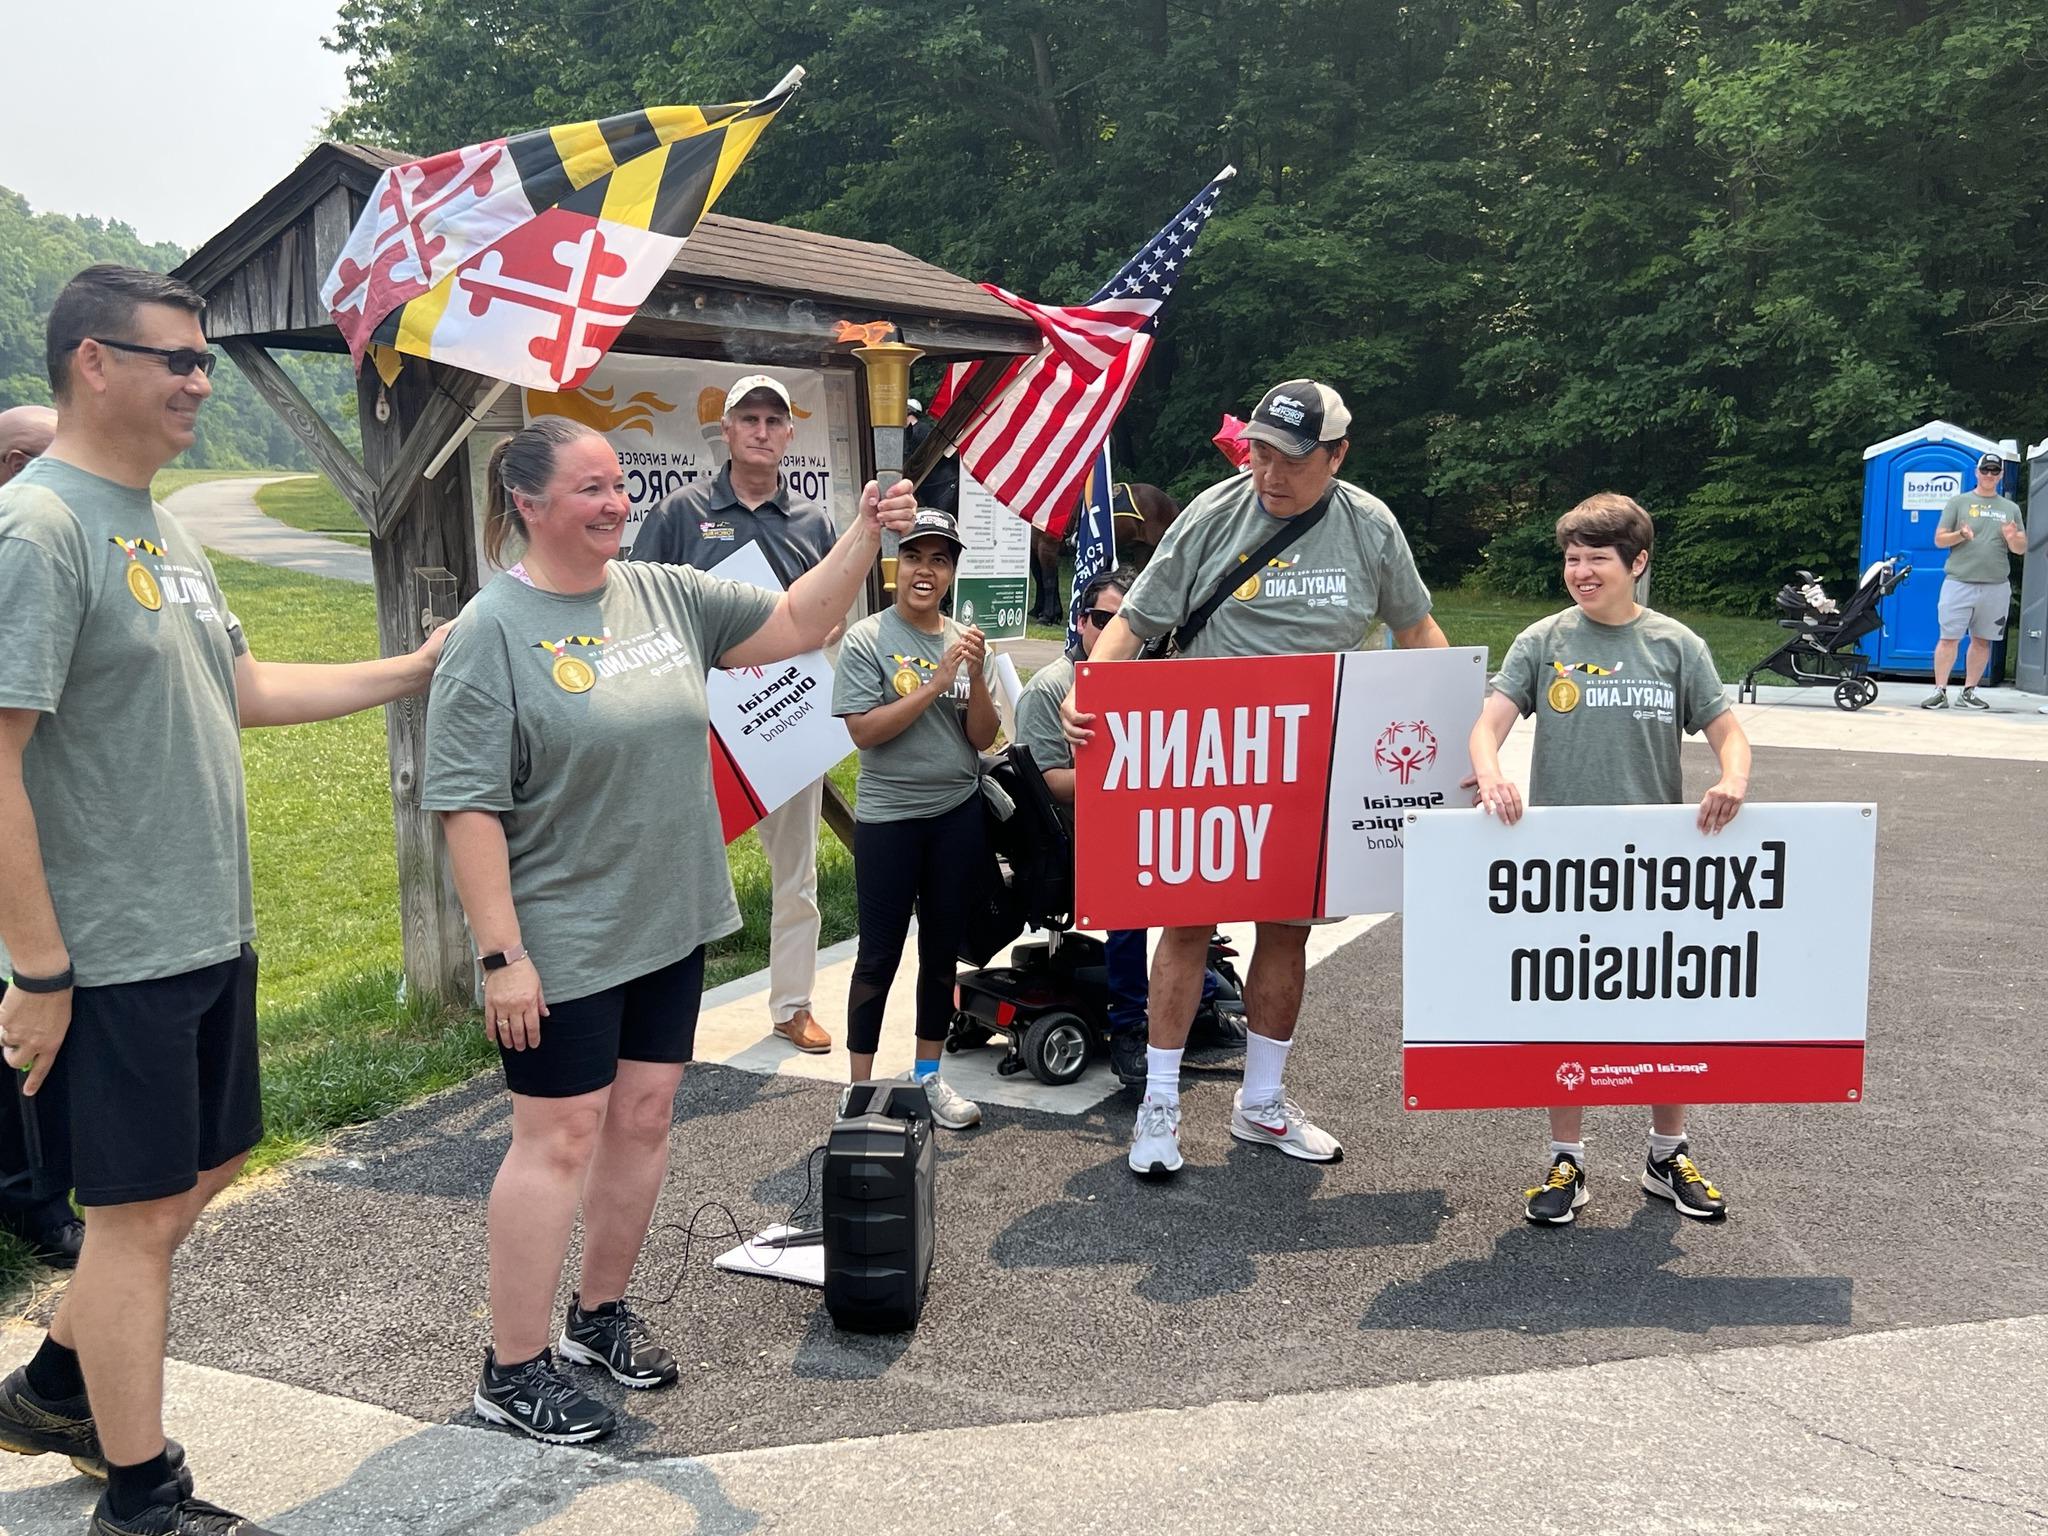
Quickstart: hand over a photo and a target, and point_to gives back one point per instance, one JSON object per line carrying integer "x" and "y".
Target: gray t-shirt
{"x": 704, "y": 522}
{"x": 116, "y": 630}
{"x": 1038, "y": 715}
{"x": 1983, "y": 557}
{"x": 1611, "y": 701}
{"x": 582, "y": 721}
{"x": 931, "y": 767}
{"x": 1324, "y": 592}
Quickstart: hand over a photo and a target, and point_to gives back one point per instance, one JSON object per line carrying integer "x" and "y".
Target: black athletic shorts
{"x": 583, "y": 1039}
{"x": 156, "y": 1083}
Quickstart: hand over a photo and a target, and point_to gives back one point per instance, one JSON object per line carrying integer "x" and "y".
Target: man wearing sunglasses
{"x": 125, "y": 909}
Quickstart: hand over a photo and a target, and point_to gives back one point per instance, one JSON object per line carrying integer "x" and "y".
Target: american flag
{"x": 1036, "y": 440}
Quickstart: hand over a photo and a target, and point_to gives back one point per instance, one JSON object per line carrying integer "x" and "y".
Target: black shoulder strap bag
{"x": 1291, "y": 529}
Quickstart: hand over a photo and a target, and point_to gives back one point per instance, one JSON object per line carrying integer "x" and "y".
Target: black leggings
{"x": 932, "y": 863}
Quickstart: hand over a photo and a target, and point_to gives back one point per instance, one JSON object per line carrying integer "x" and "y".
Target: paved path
{"x": 223, "y": 515}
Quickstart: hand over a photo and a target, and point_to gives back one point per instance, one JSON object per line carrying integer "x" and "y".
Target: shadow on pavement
{"x": 1546, "y": 1280}
{"x": 1200, "y": 1236}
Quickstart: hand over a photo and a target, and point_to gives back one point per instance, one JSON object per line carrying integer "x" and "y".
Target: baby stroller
{"x": 1821, "y": 652}
{"x": 1052, "y": 1002}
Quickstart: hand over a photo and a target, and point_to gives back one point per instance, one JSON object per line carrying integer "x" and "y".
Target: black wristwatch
{"x": 62, "y": 982}
{"x": 503, "y": 958}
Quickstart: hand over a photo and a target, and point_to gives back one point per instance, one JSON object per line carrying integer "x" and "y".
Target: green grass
{"x": 179, "y": 476}
{"x": 312, "y": 505}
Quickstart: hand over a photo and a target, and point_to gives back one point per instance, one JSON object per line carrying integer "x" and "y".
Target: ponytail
{"x": 521, "y": 465}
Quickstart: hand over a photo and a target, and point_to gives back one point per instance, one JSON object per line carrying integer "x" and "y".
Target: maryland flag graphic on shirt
{"x": 523, "y": 258}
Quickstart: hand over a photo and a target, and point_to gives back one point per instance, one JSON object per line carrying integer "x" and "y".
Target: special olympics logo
{"x": 1570, "y": 1075}
{"x": 1403, "y": 747}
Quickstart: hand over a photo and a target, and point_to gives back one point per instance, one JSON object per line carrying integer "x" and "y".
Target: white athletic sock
{"x": 1162, "y": 1075}
{"x": 1265, "y": 1064}
{"x": 1576, "y": 1150}
{"x": 1662, "y": 1147}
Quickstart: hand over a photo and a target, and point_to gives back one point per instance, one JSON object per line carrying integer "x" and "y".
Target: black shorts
{"x": 156, "y": 1083}
{"x": 583, "y": 1039}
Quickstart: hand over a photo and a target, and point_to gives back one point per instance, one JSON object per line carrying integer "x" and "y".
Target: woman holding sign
{"x": 1569, "y": 670}
{"x": 569, "y": 718}
{"x": 916, "y": 691}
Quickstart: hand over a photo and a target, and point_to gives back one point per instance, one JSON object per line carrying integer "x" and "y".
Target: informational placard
{"x": 663, "y": 416}
{"x": 1617, "y": 955}
{"x": 1265, "y": 788}
{"x": 992, "y": 582}
{"x": 772, "y": 727}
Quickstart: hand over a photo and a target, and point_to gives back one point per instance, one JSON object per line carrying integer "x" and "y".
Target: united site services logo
{"x": 1570, "y": 1075}
{"x": 1403, "y": 748}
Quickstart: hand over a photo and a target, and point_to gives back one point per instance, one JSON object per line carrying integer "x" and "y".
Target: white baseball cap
{"x": 749, "y": 384}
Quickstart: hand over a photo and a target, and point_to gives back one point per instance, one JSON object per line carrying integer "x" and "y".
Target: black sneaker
{"x": 34, "y": 1425}
{"x": 52, "y": 1230}
{"x": 535, "y": 1400}
{"x": 617, "y": 1338}
{"x": 1679, "y": 1180}
{"x": 173, "y": 1511}
{"x": 1127, "y": 1057}
{"x": 1969, "y": 700}
{"x": 1557, "y": 1199}
{"x": 1935, "y": 700}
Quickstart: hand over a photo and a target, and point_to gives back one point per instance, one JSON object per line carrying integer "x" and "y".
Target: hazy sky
{"x": 172, "y": 117}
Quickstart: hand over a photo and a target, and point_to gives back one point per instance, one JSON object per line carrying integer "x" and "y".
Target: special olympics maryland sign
{"x": 772, "y": 727}
{"x": 1263, "y": 788}
{"x": 1617, "y": 955}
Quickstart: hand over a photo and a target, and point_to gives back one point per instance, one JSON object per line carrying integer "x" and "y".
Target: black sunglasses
{"x": 1099, "y": 617}
{"x": 180, "y": 360}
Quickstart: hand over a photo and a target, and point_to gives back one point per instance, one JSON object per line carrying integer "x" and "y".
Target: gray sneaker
{"x": 1938, "y": 700}
{"x": 1969, "y": 700}
{"x": 1155, "y": 1139}
{"x": 951, "y": 1108}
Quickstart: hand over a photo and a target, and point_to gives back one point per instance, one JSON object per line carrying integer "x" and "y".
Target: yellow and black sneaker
{"x": 1557, "y": 1199}
{"x": 1678, "y": 1179}
{"x": 173, "y": 1511}
{"x": 34, "y": 1425}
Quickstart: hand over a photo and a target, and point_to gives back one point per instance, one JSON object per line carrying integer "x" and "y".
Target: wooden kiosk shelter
{"x": 739, "y": 291}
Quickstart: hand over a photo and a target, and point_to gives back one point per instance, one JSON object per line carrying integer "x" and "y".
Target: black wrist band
{"x": 61, "y": 982}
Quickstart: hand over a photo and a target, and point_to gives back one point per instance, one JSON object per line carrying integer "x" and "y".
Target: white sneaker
{"x": 1282, "y": 1124}
{"x": 951, "y": 1108}
{"x": 1155, "y": 1141}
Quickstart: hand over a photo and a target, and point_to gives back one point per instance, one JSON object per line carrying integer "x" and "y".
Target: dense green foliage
{"x": 39, "y": 253}
{"x": 1704, "y": 254}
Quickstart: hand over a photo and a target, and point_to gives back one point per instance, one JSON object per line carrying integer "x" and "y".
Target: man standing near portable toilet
{"x": 1982, "y": 531}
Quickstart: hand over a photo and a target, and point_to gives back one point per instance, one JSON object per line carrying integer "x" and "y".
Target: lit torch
{"x": 885, "y": 362}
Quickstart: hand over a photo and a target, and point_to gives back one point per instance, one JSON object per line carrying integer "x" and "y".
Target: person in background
{"x": 569, "y": 718}
{"x": 1981, "y": 531}
{"x": 702, "y": 524}
{"x": 44, "y": 1220}
{"x": 1557, "y": 670}
{"x": 916, "y": 690}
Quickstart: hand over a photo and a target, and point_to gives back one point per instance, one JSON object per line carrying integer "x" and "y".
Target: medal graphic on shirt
{"x": 1252, "y": 585}
{"x": 142, "y": 582}
{"x": 1564, "y": 693}
{"x": 573, "y": 674}
{"x": 908, "y": 668}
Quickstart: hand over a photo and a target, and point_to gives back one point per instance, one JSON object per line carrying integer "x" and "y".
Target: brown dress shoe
{"x": 805, "y": 1033}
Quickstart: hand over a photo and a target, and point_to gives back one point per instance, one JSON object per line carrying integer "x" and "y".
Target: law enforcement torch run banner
{"x": 1263, "y": 788}
{"x": 1617, "y": 955}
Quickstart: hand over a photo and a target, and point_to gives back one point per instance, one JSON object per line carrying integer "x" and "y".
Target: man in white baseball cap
{"x": 746, "y": 502}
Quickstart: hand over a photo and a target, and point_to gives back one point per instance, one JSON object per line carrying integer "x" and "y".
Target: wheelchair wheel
{"x": 968, "y": 1034}
{"x": 1056, "y": 1047}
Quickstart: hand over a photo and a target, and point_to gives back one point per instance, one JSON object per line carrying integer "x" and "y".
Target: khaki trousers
{"x": 789, "y": 836}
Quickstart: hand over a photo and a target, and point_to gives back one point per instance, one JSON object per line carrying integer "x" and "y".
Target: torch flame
{"x": 871, "y": 334}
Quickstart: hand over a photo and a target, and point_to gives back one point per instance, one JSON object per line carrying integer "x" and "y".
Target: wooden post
{"x": 430, "y": 526}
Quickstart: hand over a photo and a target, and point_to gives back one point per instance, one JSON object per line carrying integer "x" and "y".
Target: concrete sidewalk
{"x": 1917, "y": 1430}
{"x": 223, "y": 515}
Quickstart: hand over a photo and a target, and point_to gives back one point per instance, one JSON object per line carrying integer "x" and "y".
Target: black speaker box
{"x": 878, "y": 1208}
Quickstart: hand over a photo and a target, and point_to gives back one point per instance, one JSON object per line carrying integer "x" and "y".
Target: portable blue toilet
{"x": 1906, "y": 481}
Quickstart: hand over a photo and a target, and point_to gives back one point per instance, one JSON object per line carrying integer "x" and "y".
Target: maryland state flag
{"x": 523, "y": 258}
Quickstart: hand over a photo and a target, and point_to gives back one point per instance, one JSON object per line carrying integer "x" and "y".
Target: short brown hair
{"x": 101, "y": 301}
{"x": 1608, "y": 520}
